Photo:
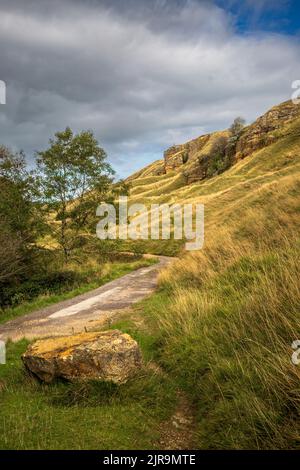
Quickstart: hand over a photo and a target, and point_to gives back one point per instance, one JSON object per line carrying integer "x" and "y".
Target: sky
{"x": 141, "y": 74}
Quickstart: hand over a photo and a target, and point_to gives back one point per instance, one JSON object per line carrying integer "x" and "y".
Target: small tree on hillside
{"x": 237, "y": 126}
{"x": 74, "y": 178}
{"x": 235, "y": 131}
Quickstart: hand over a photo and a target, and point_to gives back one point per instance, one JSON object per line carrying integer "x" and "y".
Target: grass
{"x": 93, "y": 415}
{"x": 229, "y": 343}
{"x": 95, "y": 276}
{"x": 220, "y": 328}
{"x": 156, "y": 247}
{"x": 232, "y": 314}
{"x": 227, "y": 315}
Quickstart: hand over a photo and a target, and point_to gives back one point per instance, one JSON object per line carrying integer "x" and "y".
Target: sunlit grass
{"x": 227, "y": 315}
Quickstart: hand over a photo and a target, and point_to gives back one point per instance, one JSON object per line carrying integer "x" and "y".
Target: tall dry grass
{"x": 233, "y": 314}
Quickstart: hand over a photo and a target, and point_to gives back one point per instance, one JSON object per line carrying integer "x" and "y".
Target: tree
{"x": 235, "y": 131}
{"x": 18, "y": 215}
{"x": 15, "y": 202}
{"x": 219, "y": 145}
{"x": 237, "y": 126}
{"x": 74, "y": 179}
{"x": 11, "y": 256}
{"x": 18, "y": 210}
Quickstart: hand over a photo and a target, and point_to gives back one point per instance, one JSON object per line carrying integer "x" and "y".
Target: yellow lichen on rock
{"x": 108, "y": 355}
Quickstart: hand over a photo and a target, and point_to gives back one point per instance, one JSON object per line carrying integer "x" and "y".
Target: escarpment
{"x": 197, "y": 159}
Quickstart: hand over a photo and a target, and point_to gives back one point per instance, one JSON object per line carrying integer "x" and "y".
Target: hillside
{"x": 266, "y": 156}
{"x": 187, "y": 163}
{"x": 216, "y": 335}
{"x": 228, "y": 314}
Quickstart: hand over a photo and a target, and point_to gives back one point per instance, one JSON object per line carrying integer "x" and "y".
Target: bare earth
{"x": 87, "y": 311}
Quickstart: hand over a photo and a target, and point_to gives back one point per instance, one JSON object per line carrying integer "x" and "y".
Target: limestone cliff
{"x": 193, "y": 159}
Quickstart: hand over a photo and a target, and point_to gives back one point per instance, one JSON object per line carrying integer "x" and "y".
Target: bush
{"x": 41, "y": 284}
{"x": 217, "y": 161}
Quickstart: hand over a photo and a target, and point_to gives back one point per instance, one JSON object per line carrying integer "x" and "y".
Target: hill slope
{"x": 228, "y": 314}
{"x": 185, "y": 164}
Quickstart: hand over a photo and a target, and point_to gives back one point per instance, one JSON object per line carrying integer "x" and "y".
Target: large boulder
{"x": 110, "y": 356}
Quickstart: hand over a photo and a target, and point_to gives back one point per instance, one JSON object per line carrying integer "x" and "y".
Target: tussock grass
{"x": 234, "y": 313}
{"x": 228, "y": 314}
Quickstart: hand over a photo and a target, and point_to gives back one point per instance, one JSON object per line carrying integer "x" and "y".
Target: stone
{"x": 110, "y": 356}
{"x": 262, "y": 132}
{"x": 177, "y": 156}
{"x": 192, "y": 158}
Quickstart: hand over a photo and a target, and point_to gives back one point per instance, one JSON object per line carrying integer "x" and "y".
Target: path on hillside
{"x": 87, "y": 311}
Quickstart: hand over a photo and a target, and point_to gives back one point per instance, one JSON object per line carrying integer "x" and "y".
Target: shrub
{"x": 41, "y": 284}
{"x": 217, "y": 161}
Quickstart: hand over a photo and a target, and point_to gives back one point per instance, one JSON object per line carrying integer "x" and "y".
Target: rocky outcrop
{"x": 193, "y": 162}
{"x": 174, "y": 158}
{"x": 109, "y": 356}
{"x": 178, "y": 155}
{"x": 197, "y": 171}
{"x": 263, "y": 131}
{"x": 193, "y": 158}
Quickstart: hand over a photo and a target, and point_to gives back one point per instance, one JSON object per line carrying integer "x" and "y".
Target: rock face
{"x": 110, "y": 356}
{"x": 263, "y": 131}
{"x": 192, "y": 158}
{"x": 197, "y": 170}
{"x": 179, "y": 155}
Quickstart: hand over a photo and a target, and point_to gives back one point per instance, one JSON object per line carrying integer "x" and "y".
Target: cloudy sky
{"x": 142, "y": 74}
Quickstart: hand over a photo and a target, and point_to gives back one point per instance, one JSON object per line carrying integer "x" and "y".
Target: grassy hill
{"x": 260, "y": 164}
{"x": 216, "y": 337}
{"x": 227, "y": 315}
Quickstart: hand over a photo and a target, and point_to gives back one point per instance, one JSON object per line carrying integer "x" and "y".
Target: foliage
{"x": 237, "y": 126}
{"x": 20, "y": 216}
{"x": 74, "y": 177}
{"x": 217, "y": 161}
{"x": 17, "y": 192}
{"x": 223, "y": 148}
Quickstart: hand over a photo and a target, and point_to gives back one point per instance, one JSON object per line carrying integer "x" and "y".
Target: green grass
{"x": 229, "y": 345}
{"x": 220, "y": 327}
{"x": 230, "y": 317}
{"x": 94, "y": 415}
{"x": 156, "y": 247}
{"x": 227, "y": 315}
{"x": 112, "y": 271}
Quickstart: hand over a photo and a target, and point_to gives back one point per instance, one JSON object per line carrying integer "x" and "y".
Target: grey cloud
{"x": 142, "y": 78}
